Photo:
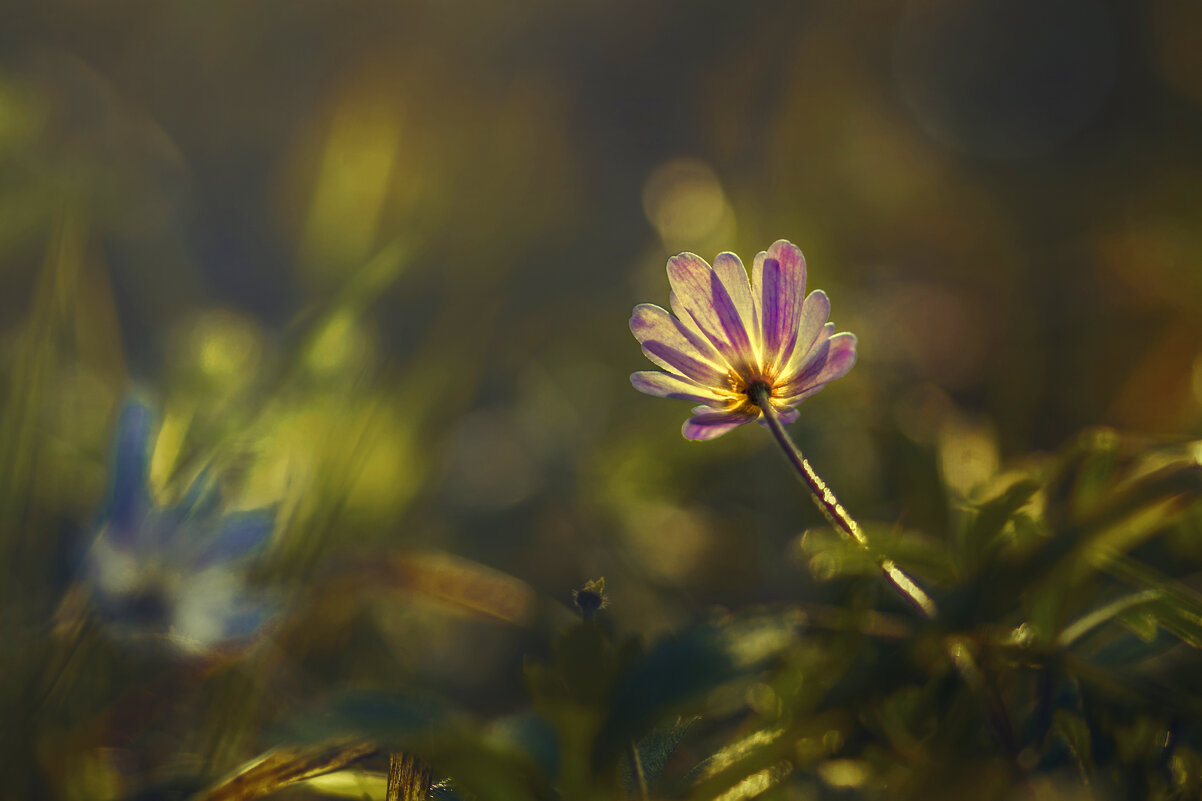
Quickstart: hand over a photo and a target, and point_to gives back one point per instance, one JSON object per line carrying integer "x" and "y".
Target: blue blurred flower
{"x": 173, "y": 572}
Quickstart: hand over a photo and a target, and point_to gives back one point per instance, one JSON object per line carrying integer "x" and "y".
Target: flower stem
{"x": 830, "y": 507}
{"x": 636, "y": 764}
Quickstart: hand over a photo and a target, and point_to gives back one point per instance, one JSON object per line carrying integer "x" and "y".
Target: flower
{"x": 175, "y": 572}
{"x": 730, "y": 338}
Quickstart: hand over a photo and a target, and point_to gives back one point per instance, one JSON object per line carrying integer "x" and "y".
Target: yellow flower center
{"x": 743, "y": 389}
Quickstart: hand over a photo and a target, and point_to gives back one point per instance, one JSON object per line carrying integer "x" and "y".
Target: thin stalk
{"x": 636, "y": 765}
{"x": 830, "y": 507}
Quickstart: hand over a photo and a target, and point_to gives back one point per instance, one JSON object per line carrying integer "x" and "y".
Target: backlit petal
{"x": 805, "y": 365}
{"x": 696, "y": 336}
{"x": 757, "y": 292}
{"x": 709, "y": 425}
{"x": 782, "y": 291}
{"x": 672, "y": 346}
{"x": 840, "y": 358}
{"x": 663, "y": 385}
{"x": 815, "y": 311}
{"x": 701, "y": 294}
{"x": 786, "y": 416}
{"x": 733, "y": 274}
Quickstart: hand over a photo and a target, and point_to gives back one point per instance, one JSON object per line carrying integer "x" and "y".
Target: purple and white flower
{"x": 728, "y": 338}
{"x": 173, "y": 573}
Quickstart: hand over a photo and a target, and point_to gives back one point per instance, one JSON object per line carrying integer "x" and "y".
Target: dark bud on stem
{"x": 590, "y": 598}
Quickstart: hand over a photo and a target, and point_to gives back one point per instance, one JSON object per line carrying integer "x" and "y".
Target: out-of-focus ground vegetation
{"x": 370, "y": 264}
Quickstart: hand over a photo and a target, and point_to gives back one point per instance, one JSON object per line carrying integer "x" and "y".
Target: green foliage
{"x": 1065, "y": 650}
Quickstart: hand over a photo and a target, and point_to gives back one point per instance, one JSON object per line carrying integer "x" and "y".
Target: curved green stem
{"x": 826, "y": 501}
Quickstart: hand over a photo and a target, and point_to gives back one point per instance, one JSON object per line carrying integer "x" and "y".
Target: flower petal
{"x": 839, "y": 359}
{"x": 128, "y": 497}
{"x": 695, "y": 334}
{"x": 812, "y": 331}
{"x": 782, "y": 274}
{"x": 708, "y": 425}
{"x": 733, "y": 275}
{"x": 665, "y": 385}
{"x": 757, "y": 282}
{"x": 237, "y": 536}
{"x": 786, "y": 416}
{"x": 805, "y": 366}
{"x": 672, "y": 346}
{"x": 202, "y": 608}
{"x": 702, "y": 295}
{"x": 815, "y": 311}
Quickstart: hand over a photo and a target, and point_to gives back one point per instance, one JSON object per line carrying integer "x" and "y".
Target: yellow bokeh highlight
{"x": 355, "y": 783}
{"x": 218, "y": 351}
{"x": 389, "y": 470}
{"x": 845, "y": 774}
{"x": 168, "y": 444}
{"x": 354, "y": 175}
{"x": 366, "y": 455}
{"x": 285, "y": 461}
{"x": 671, "y": 541}
{"x": 968, "y": 454}
{"x": 684, "y": 200}
{"x": 340, "y": 346}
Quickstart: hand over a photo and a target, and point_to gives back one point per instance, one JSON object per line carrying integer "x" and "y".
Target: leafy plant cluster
{"x": 1062, "y": 661}
{"x": 1062, "y": 664}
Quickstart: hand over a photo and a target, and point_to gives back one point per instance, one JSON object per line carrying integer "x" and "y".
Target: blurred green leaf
{"x": 654, "y": 751}
{"x": 1141, "y": 623}
{"x": 683, "y": 667}
{"x": 986, "y": 526}
{"x": 831, "y": 555}
{"x": 1177, "y": 608}
{"x": 731, "y": 766}
{"x": 1185, "y": 771}
{"x": 528, "y": 736}
{"x": 1074, "y": 731}
{"x": 1121, "y": 606}
{"x": 394, "y": 721}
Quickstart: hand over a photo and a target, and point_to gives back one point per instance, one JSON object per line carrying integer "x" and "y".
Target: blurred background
{"x": 374, "y": 262}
